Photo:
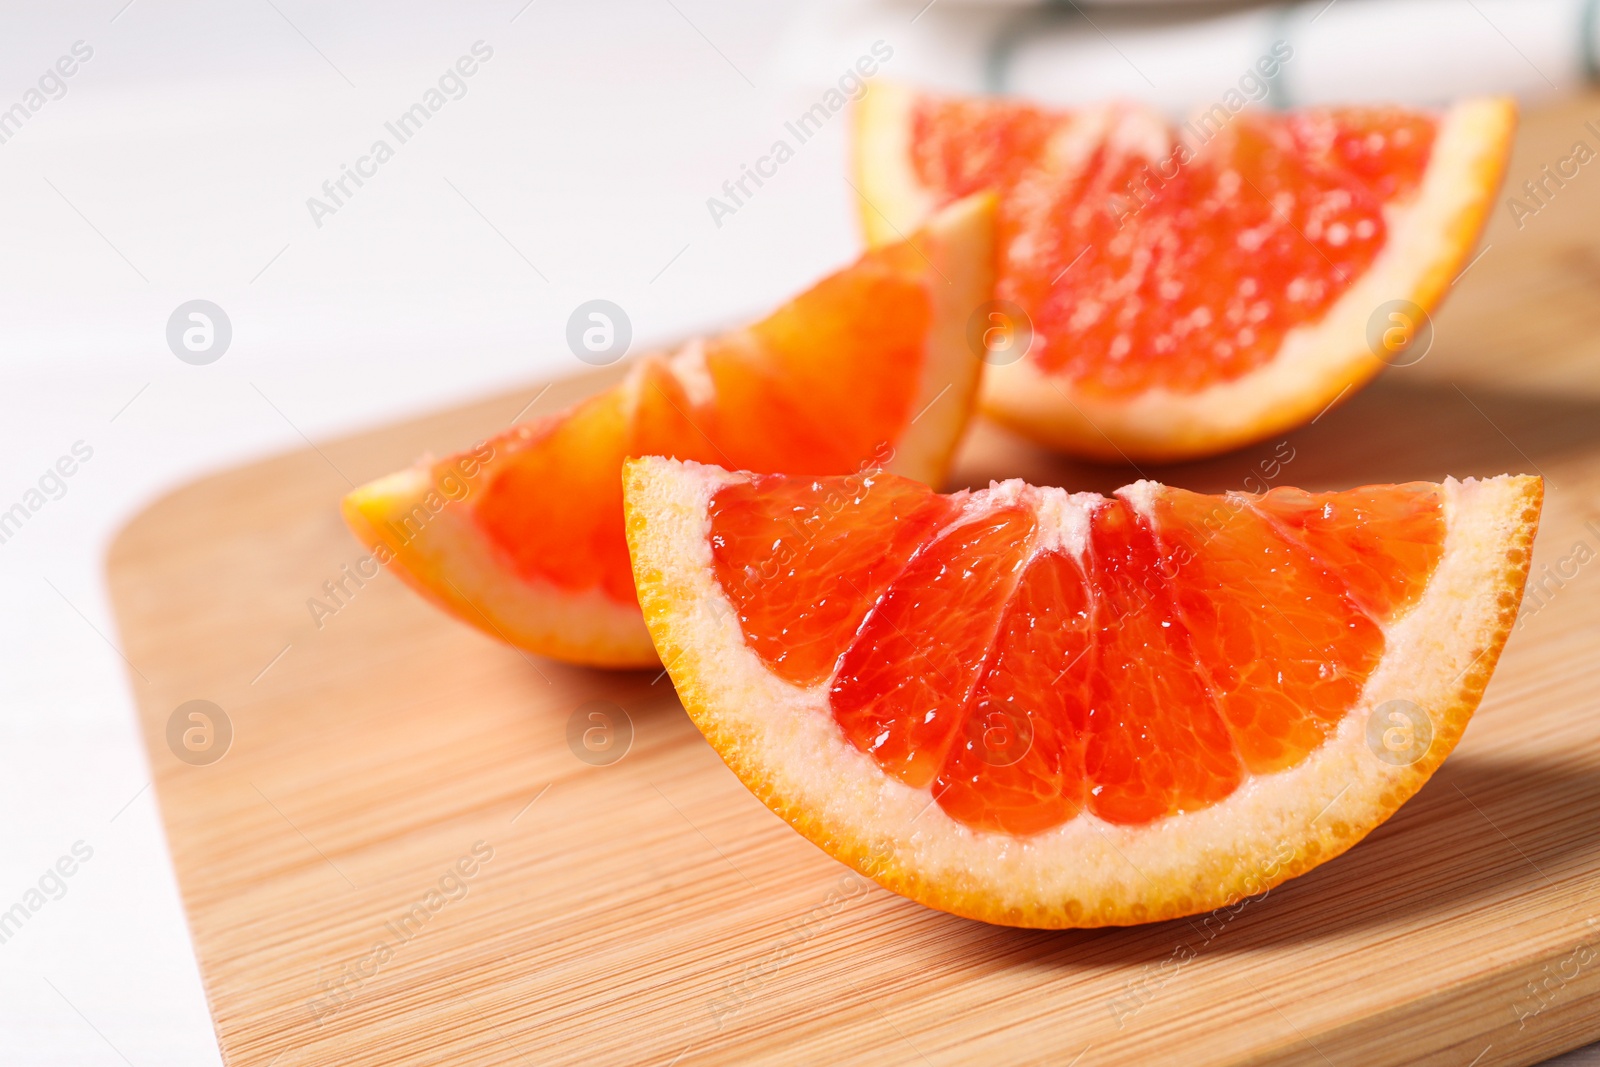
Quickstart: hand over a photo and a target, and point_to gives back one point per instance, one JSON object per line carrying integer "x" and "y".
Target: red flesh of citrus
{"x": 772, "y": 384}
{"x": 1198, "y": 640}
{"x": 1195, "y": 262}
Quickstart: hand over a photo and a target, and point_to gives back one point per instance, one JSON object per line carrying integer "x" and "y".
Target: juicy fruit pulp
{"x": 1046, "y": 709}
{"x": 776, "y": 386}
{"x": 806, "y": 391}
{"x": 526, "y": 538}
{"x": 1028, "y": 655}
{"x": 1151, "y": 256}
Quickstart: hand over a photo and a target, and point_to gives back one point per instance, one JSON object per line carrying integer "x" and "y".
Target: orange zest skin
{"x": 1196, "y": 641}
{"x": 1180, "y": 267}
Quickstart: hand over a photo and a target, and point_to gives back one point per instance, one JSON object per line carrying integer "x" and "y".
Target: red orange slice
{"x": 1050, "y": 709}
{"x": 1193, "y": 287}
{"x": 523, "y": 536}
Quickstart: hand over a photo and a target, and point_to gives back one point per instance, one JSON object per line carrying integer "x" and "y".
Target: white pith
{"x": 452, "y": 563}
{"x": 1430, "y": 236}
{"x": 688, "y": 365}
{"x": 786, "y": 737}
{"x": 959, "y": 245}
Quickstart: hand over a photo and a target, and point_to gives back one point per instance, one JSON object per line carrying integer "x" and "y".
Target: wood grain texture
{"x": 651, "y": 911}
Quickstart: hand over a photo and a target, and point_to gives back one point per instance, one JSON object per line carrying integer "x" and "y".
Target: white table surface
{"x": 177, "y": 166}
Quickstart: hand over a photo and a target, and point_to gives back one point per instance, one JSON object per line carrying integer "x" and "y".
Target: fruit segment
{"x": 801, "y": 599}
{"x": 1157, "y": 744}
{"x": 1018, "y": 762}
{"x": 1170, "y": 264}
{"x": 1283, "y": 647}
{"x": 1029, "y": 655}
{"x": 900, "y": 697}
{"x": 868, "y": 369}
{"x": 1382, "y": 541}
{"x": 1047, "y": 709}
{"x": 1189, "y": 287}
{"x": 769, "y": 395}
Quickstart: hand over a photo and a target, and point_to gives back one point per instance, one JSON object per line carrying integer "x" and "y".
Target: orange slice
{"x": 1195, "y": 287}
{"x": 523, "y": 535}
{"x": 1048, "y": 709}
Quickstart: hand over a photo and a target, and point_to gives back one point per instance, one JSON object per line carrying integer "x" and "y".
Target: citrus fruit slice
{"x": 1169, "y": 291}
{"x": 1048, "y": 709}
{"x": 523, "y": 535}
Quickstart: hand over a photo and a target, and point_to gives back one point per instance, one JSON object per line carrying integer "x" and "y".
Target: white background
{"x": 177, "y": 166}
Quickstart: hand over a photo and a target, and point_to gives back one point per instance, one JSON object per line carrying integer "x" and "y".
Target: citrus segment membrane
{"x": 1363, "y": 533}
{"x": 900, "y": 697}
{"x": 1147, "y": 254}
{"x": 1017, "y": 763}
{"x": 1156, "y": 744}
{"x": 800, "y": 599}
{"x": 1028, "y": 655}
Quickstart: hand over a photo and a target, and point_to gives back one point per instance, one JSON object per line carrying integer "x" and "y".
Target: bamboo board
{"x": 400, "y": 859}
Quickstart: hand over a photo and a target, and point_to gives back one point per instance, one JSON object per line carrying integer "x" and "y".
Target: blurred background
{"x": 179, "y": 159}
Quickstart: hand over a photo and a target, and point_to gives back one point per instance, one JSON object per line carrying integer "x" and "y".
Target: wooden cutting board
{"x": 400, "y": 859}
